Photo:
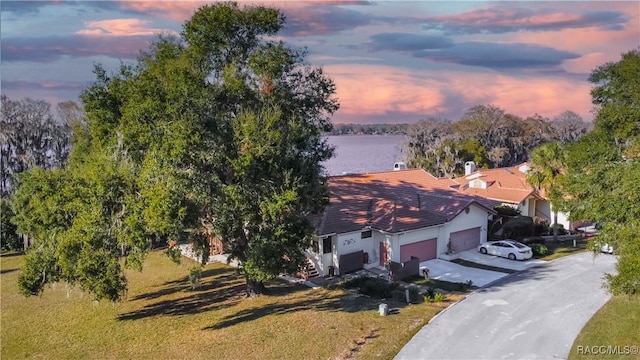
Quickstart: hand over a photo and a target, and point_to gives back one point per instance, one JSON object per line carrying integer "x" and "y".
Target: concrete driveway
{"x": 475, "y": 256}
{"x": 533, "y": 314}
{"x": 448, "y": 271}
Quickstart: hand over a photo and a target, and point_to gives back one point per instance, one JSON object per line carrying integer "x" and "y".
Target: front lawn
{"x": 163, "y": 318}
{"x": 562, "y": 249}
{"x": 615, "y": 328}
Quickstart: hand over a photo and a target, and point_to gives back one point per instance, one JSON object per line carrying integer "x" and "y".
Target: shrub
{"x": 539, "y": 249}
{"x": 195, "y": 275}
{"x": 561, "y": 230}
{"x": 439, "y": 297}
{"x": 430, "y": 292}
{"x": 518, "y": 227}
{"x": 540, "y": 229}
{"x": 414, "y": 294}
{"x": 374, "y": 287}
{"x": 355, "y": 283}
{"x": 506, "y": 210}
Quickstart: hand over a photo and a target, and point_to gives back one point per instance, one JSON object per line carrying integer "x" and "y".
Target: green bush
{"x": 414, "y": 294}
{"x": 439, "y": 297}
{"x": 506, "y": 210}
{"x": 195, "y": 275}
{"x": 355, "y": 283}
{"x": 374, "y": 287}
{"x": 520, "y": 226}
{"x": 539, "y": 249}
{"x": 540, "y": 229}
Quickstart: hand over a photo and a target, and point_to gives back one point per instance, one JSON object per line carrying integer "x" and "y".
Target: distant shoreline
{"x": 372, "y": 129}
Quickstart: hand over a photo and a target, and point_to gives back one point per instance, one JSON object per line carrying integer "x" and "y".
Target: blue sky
{"x": 392, "y": 61}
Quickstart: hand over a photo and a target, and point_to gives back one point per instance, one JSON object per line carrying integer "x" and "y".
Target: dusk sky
{"x": 392, "y": 61}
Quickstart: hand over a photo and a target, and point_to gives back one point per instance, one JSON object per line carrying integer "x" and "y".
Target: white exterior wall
{"x": 563, "y": 218}
{"x": 543, "y": 210}
{"x": 524, "y": 208}
{"x": 346, "y": 243}
{"x": 477, "y": 217}
{"x": 372, "y": 247}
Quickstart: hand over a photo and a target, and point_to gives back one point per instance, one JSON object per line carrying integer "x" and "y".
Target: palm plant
{"x": 547, "y": 169}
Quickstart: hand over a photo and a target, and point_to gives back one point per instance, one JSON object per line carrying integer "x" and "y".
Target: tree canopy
{"x": 486, "y": 135}
{"x": 217, "y": 131}
{"x": 603, "y": 168}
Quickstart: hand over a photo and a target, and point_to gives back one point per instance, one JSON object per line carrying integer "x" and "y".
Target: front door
{"x": 327, "y": 254}
{"x": 384, "y": 253}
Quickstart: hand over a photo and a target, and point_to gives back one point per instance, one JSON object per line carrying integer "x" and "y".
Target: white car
{"x": 606, "y": 248}
{"x": 510, "y": 249}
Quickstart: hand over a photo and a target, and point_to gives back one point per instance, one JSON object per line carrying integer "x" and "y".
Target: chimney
{"x": 469, "y": 167}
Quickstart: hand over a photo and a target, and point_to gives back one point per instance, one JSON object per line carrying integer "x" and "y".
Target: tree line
{"x": 369, "y": 129}
{"x": 486, "y": 135}
{"x": 32, "y": 135}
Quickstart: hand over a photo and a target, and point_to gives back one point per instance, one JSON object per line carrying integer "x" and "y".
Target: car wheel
{"x": 483, "y": 250}
{"x": 512, "y": 256}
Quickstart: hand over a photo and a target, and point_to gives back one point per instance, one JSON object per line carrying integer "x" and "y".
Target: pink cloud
{"x": 370, "y": 90}
{"x": 119, "y": 27}
{"x": 174, "y": 10}
{"x": 373, "y": 92}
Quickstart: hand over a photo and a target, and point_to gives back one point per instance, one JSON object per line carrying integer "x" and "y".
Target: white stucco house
{"x": 376, "y": 218}
{"x": 508, "y": 186}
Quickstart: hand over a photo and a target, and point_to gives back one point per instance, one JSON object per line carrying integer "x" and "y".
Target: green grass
{"x": 616, "y": 324}
{"x": 161, "y": 318}
{"x": 562, "y": 249}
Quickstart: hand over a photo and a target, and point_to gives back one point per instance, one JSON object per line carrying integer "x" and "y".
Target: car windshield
{"x": 518, "y": 245}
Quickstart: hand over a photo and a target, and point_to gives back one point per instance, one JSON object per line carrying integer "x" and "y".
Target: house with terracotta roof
{"x": 508, "y": 186}
{"x": 376, "y": 218}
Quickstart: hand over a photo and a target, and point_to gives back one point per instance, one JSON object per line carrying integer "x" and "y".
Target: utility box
{"x": 332, "y": 271}
{"x": 383, "y": 309}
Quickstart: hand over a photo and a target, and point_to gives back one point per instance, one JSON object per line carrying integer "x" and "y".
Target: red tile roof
{"x": 393, "y": 201}
{"x": 503, "y": 184}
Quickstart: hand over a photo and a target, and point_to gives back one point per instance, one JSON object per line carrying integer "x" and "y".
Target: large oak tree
{"x": 603, "y": 168}
{"x": 218, "y": 131}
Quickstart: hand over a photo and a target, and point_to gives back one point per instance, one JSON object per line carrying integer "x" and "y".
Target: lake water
{"x": 358, "y": 154}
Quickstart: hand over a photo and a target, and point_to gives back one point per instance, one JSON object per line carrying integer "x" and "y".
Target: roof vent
{"x": 399, "y": 166}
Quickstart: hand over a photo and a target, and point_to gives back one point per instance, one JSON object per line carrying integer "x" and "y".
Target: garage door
{"x": 465, "y": 239}
{"x": 425, "y": 250}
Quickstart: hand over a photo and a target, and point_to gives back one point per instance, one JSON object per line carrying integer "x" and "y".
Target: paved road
{"x": 535, "y": 314}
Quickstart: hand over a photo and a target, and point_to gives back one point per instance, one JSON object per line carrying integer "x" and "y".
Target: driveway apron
{"x": 534, "y": 314}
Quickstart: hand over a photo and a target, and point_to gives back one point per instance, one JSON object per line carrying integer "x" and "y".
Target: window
{"x": 315, "y": 246}
{"x": 366, "y": 234}
{"x": 326, "y": 245}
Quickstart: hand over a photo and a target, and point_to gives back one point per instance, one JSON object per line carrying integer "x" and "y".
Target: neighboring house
{"x": 510, "y": 187}
{"x": 377, "y": 218}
